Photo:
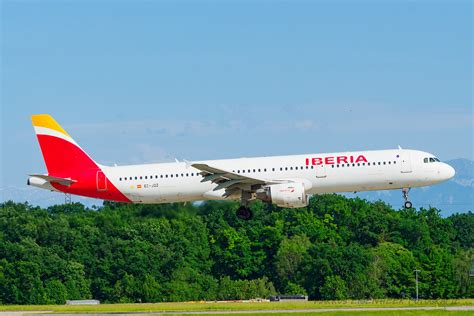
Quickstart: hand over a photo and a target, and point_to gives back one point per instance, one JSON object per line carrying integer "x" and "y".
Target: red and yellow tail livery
{"x": 70, "y": 169}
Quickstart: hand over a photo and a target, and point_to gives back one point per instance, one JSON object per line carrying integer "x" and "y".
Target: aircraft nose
{"x": 447, "y": 172}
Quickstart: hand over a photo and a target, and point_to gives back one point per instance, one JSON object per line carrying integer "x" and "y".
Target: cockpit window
{"x": 431, "y": 159}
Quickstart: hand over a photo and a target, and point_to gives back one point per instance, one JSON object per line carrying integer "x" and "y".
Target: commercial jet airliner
{"x": 286, "y": 181}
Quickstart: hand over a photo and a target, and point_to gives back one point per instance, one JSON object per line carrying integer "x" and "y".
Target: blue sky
{"x": 143, "y": 81}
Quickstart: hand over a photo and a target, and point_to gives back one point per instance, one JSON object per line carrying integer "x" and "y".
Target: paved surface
{"x": 266, "y": 311}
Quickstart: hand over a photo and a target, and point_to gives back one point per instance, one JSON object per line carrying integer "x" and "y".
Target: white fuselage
{"x": 320, "y": 173}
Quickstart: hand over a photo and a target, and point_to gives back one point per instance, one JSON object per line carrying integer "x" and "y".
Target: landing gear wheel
{"x": 244, "y": 213}
{"x": 408, "y": 204}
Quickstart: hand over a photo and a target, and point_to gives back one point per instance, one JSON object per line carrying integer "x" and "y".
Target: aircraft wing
{"x": 230, "y": 181}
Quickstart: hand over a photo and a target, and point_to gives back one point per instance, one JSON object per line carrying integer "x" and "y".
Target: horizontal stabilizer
{"x": 62, "y": 181}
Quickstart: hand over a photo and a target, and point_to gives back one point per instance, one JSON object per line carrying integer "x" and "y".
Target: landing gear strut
{"x": 408, "y": 204}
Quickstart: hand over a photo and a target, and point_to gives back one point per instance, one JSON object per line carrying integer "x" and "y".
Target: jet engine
{"x": 289, "y": 195}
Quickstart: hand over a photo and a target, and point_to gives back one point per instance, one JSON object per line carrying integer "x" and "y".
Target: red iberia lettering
{"x": 361, "y": 158}
{"x": 329, "y": 160}
{"x": 341, "y": 159}
{"x": 317, "y": 161}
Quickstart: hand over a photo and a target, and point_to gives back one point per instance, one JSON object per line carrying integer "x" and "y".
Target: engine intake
{"x": 291, "y": 195}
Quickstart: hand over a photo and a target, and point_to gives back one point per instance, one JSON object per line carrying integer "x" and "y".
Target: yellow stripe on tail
{"x": 46, "y": 120}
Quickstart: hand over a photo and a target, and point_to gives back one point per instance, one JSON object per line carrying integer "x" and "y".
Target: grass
{"x": 361, "y": 313}
{"x": 237, "y": 306}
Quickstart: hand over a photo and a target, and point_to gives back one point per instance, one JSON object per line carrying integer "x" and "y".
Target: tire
{"x": 244, "y": 213}
{"x": 408, "y": 204}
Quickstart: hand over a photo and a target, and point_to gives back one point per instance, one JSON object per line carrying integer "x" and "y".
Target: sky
{"x": 151, "y": 81}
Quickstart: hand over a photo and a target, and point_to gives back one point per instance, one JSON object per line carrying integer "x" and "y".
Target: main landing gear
{"x": 244, "y": 212}
{"x": 408, "y": 204}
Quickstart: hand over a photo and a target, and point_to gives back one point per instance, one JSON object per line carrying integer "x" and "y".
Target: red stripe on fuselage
{"x": 66, "y": 160}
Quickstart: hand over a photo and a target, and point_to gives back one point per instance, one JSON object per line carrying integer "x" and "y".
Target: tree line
{"x": 335, "y": 248}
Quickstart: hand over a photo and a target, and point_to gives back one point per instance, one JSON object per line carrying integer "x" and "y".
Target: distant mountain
{"x": 456, "y": 195}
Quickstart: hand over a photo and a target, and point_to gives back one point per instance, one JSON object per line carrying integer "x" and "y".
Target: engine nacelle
{"x": 289, "y": 195}
{"x": 40, "y": 183}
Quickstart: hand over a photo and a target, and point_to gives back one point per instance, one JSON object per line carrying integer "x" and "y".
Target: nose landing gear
{"x": 408, "y": 204}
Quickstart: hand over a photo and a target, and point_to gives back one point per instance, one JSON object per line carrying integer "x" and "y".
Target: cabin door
{"x": 405, "y": 161}
{"x": 101, "y": 181}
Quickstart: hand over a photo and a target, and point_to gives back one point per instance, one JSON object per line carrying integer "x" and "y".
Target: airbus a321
{"x": 286, "y": 181}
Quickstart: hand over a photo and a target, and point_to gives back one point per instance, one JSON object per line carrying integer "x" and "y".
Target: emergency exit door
{"x": 320, "y": 171}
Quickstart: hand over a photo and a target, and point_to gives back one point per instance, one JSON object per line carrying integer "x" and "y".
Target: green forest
{"x": 336, "y": 248}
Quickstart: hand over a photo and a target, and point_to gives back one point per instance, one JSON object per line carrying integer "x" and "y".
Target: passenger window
{"x": 259, "y": 170}
{"x": 146, "y": 177}
{"x": 291, "y": 168}
{"x": 273, "y": 169}
{"x": 166, "y": 176}
{"x": 243, "y": 171}
{"x": 312, "y": 167}
{"x": 264, "y": 170}
{"x": 120, "y": 179}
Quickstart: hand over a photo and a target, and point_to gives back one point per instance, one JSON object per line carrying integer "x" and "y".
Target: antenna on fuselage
{"x": 400, "y": 147}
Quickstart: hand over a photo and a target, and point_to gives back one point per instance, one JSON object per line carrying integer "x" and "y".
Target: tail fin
{"x": 62, "y": 155}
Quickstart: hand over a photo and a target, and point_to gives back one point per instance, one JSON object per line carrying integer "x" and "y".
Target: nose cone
{"x": 446, "y": 172}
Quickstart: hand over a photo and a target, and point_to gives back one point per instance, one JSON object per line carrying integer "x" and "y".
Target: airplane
{"x": 286, "y": 181}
